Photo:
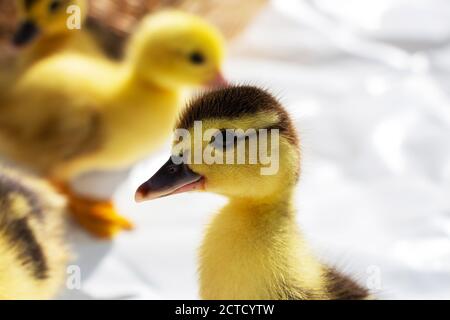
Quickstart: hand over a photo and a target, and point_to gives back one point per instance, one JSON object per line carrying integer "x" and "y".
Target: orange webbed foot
{"x": 99, "y": 217}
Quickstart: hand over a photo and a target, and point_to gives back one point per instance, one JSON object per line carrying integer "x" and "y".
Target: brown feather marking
{"x": 342, "y": 287}
{"x": 235, "y": 102}
{"x": 11, "y": 186}
{"x": 17, "y": 227}
{"x": 31, "y": 253}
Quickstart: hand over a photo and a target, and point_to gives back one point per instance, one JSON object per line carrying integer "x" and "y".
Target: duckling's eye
{"x": 178, "y": 158}
{"x": 197, "y": 58}
{"x": 54, "y": 6}
{"x": 223, "y": 140}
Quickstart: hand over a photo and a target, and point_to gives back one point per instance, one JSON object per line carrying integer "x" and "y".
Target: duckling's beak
{"x": 218, "y": 81}
{"x": 26, "y": 32}
{"x": 170, "y": 179}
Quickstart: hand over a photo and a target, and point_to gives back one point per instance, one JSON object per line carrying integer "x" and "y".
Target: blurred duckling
{"x": 33, "y": 255}
{"x": 97, "y": 115}
{"x": 52, "y": 26}
{"x": 252, "y": 249}
{"x": 43, "y": 31}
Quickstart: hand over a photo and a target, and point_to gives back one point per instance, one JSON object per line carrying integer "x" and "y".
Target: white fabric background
{"x": 368, "y": 83}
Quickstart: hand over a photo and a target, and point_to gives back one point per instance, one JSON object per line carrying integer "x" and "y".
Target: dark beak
{"x": 170, "y": 179}
{"x": 26, "y": 32}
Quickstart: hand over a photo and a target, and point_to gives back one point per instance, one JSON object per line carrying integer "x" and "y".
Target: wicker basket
{"x": 113, "y": 20}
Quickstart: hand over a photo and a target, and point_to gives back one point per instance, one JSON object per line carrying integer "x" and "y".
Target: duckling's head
{"x": 48, "y": 18}
{"x": 177, "y": 49}
{"x": 216, "y": 131}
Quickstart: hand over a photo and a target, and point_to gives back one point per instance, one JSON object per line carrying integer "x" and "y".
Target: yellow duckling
{"x": 252, "y": 249}
{"x": 33, "y": 255}
{"x": 52, "y": 26}
{"x": 47, "y": 27}
{"x": 71, "y": 114}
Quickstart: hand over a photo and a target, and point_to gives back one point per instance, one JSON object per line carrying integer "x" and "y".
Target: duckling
{"x": 252, "y": 249}
{"x": 33, "y": 254}
{"x": 97, "y": 115}
{"x": 44, "y": 28}
{"x": 52, "y": 26}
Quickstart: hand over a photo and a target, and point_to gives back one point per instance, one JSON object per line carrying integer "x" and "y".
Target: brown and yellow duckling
{"x": 253, "y": 248}
{"x": 33, "y": 255}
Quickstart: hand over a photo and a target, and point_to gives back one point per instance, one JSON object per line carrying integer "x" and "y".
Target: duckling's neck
{"x": 253, "y": 250}
{"x": 133, "y": 87}
{"x": 134, "y": 79}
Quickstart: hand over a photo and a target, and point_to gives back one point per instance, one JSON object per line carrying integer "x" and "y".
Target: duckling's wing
{"x": 55, "y": 135}
{"x": 53, "y": 113}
